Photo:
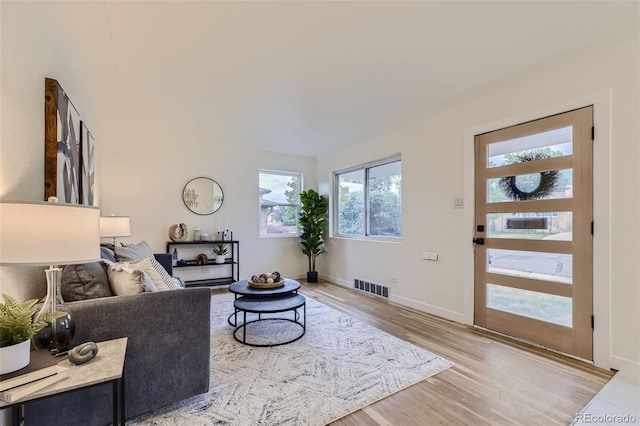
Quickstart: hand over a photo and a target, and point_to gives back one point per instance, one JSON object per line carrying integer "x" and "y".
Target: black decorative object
{"x": 56, "y": 335}
{"x": 547, "y": 185}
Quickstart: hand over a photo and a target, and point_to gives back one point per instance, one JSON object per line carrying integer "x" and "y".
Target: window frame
{"x": 300, "y": 177}
{"x": 335, "y": 228}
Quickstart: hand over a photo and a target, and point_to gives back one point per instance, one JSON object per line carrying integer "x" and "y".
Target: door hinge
{"x": 593, "y": 133}
{"x": 592, "y": 321}
{"x": 591, "y": 227}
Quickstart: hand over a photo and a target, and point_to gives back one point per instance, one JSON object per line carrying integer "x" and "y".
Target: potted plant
{"x": 18, "y": 323}
{"x": 221, "y": 253}
{"x": 312, "y": 219}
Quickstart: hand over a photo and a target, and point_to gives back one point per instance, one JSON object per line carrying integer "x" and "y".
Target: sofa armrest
{"x": 165, "y": 259}
{"x": 167, "y": 359}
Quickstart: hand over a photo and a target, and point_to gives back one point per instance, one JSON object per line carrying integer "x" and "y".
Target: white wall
{"x": 33, "y": 48}
{"x": 432, "y": 147}
{"x": 144, "y": 173}
{"x": 141, "y": 172}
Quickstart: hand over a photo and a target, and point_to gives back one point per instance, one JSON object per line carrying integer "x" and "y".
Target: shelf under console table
{"x": 209, "y": 274}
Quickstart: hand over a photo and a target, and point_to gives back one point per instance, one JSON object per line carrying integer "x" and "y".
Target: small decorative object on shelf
{"x": 272, "y": 280}
{"x": 174, "y": 257}
{"x": 204, "y": 237}
{"x": 221, "y": 253}
{"x": 178, "y": 232}
{"x": 202, "y": 259}
{"x": 196, "y": 234}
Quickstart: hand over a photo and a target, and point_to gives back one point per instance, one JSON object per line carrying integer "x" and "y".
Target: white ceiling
{"x": 306, "y": 77}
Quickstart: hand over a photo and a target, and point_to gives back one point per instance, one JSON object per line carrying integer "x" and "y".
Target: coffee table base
{"x": 272, "y": 305}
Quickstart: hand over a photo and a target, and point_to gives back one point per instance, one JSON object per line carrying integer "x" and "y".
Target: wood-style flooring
{"x": 494, "y": 381}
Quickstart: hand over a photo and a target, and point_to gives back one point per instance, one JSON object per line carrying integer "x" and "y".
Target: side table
{"x": 107, "y": 366}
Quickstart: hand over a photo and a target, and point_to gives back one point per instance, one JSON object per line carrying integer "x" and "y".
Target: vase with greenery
{"x": 312, "y": 219}
{"x": 221, "y": 253}
{"x": 19, "y": 322}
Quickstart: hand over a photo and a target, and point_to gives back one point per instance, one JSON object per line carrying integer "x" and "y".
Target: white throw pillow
{"x": 125, "y": 281}
{"x": 128, "y": 252}
{"x": 156, "y": 271}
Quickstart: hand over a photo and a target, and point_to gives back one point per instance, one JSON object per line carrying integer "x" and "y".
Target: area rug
{"x": 339, "y": 366}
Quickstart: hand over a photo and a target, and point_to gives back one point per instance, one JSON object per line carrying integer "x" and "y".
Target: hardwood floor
{"x": 494, "y": 381}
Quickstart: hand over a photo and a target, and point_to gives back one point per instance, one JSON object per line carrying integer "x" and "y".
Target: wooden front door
{"x": 533, "y": 231}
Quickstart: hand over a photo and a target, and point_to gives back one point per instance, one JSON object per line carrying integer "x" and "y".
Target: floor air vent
{"x": 371, "y": 288}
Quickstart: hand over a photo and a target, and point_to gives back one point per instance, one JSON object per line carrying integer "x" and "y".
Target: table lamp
{"x": 41, "y": 233}
{"x": 115, "y": 226}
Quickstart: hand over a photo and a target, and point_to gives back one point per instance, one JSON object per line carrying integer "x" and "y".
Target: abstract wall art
{"x": 87, "y": 175}
{"x": 62, "y": 162}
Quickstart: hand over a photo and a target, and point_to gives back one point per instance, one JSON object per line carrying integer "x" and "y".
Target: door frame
{"x": 601, "y": 102}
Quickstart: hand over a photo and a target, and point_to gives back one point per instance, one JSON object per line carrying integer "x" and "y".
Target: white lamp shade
{"x": 115, "y": 226}
{"x": 33, "y": 233}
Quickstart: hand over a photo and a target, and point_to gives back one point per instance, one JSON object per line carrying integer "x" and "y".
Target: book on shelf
{"x": 17, "y": 393}
{"x": 41, "y": 365}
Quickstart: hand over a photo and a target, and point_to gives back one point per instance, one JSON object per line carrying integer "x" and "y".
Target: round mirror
{"x": 202, "y": 195}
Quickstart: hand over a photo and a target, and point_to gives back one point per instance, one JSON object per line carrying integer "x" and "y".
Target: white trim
{"x": 425, "y": 307}
{"x": 404, "y": 301}
{"x": 625, "y": 366}
{"x": 601, "y": 102}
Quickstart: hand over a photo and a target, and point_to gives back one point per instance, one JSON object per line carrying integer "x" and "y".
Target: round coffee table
{"x": 270, "y": 305}
{"x": 242, "y": 288}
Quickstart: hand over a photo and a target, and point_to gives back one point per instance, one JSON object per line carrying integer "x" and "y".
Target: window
{"x": 369, "y": 200}
{"x": 279, "y": 203}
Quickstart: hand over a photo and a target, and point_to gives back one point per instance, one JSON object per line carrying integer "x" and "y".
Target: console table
{"x": 211, "y": 273}
{"x": 107, "y": 366}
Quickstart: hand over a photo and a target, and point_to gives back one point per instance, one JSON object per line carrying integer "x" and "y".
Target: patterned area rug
{"x": 339, "y": 366}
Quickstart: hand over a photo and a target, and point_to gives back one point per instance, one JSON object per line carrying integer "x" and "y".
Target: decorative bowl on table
{"x": 272, "y": 280}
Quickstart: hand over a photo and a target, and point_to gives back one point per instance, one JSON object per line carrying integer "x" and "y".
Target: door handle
{"x": 478, "y": 241}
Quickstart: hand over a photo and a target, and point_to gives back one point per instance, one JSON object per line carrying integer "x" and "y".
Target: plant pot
{"x": 15, "y": 357}
{"x": 312, "y": 276}
{"x": 220, "y": 258}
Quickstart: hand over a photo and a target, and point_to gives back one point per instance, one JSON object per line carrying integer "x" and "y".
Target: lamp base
{"x": 57, "y": 334}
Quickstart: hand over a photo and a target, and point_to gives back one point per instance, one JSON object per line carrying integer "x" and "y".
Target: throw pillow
{"x": 125, "y": 281}
{"x": 84, "y": 281}
{"x": 127, "y": 252}
{"x": 107, "y": 254}
{"x": 158, "y": 274}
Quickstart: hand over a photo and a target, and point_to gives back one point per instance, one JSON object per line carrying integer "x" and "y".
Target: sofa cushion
{"x": 127, "y": 252}
{"x": 158, "y": 274}
{"x": 84, "y": 281}
{"x": 125, "y": 281}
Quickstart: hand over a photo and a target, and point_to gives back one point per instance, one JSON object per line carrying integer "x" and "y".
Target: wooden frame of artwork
{"x": 87, "y": 163}
{"x": 62, "y": 161}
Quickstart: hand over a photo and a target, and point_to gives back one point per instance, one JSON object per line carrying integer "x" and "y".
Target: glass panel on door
{"x": 531, "y": 304}
{"x": 531, "y": 225}
{"x": 554, "y": 143}
{"x": 556, "y": 267}
{"x": 499, "y": 188}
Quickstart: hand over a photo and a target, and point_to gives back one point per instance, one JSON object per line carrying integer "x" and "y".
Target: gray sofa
{"x": 167, "y": 357}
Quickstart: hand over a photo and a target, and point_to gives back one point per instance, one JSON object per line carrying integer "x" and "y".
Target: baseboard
{"x": 625, "y": 366}
{"x": 430, "y": 309}
{"x": 404, "y": 301}
{"x": 338, "y": 281}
